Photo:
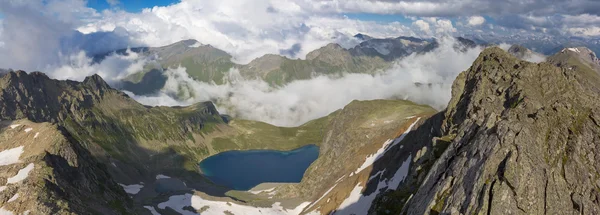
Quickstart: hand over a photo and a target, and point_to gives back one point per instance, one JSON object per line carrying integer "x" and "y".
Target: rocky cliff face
{"x": 92, "y": 136}
{"x": 523, "y": 140}
{"x": 44, "y": 170}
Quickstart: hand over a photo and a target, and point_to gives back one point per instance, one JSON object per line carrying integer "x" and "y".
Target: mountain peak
{"x": 584, "y": 55}
{"x": 189, "y": 42}
{"x": 96, "y": 82}
{"x": 518, "y": 49}
{"x": 510, "y": 120}
{"x": 362, "y": 37}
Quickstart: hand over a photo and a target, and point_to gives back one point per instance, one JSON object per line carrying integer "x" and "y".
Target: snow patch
{"x": 27, "y": 130}
{"x": 21, "y": 175}
{"x": 14, "y": 126}
{"x": 400, "y": 174}
{"x": 161, "y": 176}
{"x": 376, "y": 174}
{"x": 386, "y": 146}
{"x": 574, "y": 50}
{"x": 10, "y": 156}
{"x": 5, "y": 212}
{"x": 26, "y": 212}
{"x": 132, "y": 189}
{"x": 13, "y": 198}
{"x": 152, "y": 210}
{"x": 356, "y": 203}
{"x": 36, "y": 135}
{"x": 178, "y": 202}
{"x": 260, "y": 191}
{"x": 2, "y": 188}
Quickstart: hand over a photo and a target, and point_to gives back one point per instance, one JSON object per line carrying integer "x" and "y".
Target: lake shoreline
{"x": 244, "y": 170}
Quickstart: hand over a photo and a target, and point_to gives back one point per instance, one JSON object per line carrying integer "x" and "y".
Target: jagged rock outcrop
{"x": 51, "y": 173}
{"x": 523, "y": 140}
{"x": 101, "y": 125}
{"x": 526, "y": 54}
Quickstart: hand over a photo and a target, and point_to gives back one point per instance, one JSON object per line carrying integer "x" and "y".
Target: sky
{"x": 132, "y": 6}
{"x": 248, "y": 29}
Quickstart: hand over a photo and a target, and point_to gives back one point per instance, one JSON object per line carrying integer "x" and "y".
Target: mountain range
{"x": 516, "y": 138}
{"x": 208, "y": 64}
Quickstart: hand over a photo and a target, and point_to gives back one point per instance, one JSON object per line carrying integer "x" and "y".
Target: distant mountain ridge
{"x": 208, "y": 64}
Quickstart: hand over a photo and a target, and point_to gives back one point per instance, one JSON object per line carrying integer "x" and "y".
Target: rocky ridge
{"x": 522, "y": 141}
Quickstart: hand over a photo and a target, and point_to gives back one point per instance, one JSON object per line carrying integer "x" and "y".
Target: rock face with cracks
{"x": 523, "y": 140}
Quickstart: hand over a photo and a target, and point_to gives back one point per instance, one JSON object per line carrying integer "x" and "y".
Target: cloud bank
{"x": 424, "y": 79}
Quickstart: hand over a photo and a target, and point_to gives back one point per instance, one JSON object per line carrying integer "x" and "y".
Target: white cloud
{"x": 592, "y": 31}
{"x": 413, "y": 8}
{"x": 246, "y": 29}
{"x": 444, "y": 26}
{"x": 113, "y": 2}
{"x": 476, "y": 20}
{"x": 113, "y": 68}
{"x": 304, "y": 100}
{"x": 423, "y": 26}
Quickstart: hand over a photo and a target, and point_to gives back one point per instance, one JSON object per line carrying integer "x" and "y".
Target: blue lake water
{"x": 242, "y": 170}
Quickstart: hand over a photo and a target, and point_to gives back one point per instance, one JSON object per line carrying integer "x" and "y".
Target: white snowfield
{"x": 14, "y": 126}
{"x": 36, "y": 135}
{"x": 132, "y": 189}
{"x": 178, "y": 202}
{"x": 21, "y": 175}
{"x": 10, "y": 156}
{"x": 27, "y": 130}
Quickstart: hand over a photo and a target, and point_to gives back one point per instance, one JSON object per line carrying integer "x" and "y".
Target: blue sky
{"x": 379, "y": 17}
{"x": 129, "y": 5}
{"x": 138, "y": 5}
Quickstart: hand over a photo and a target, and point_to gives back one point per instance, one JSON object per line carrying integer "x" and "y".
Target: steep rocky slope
{"x": 522, "y": 141}
{"x": 43, "y": 170}
{"x": 517, "y": 138}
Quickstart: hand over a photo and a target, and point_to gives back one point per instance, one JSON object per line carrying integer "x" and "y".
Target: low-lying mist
{"x": 424, "y": 79}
